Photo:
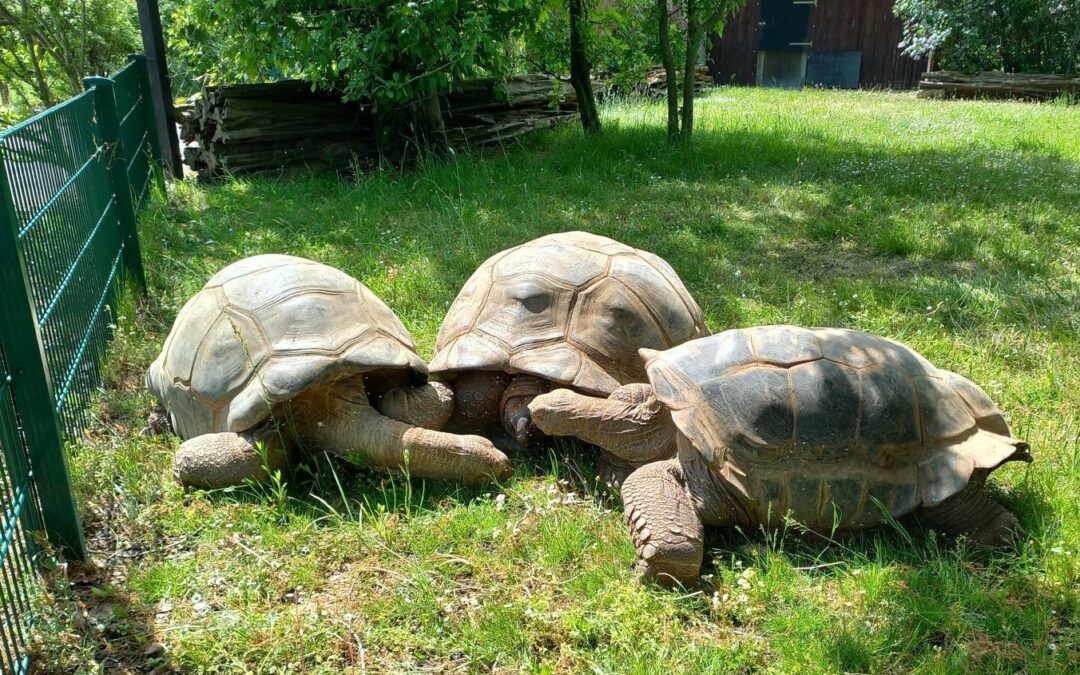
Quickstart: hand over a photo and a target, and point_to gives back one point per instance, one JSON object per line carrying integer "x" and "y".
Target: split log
{"x": 254, "y": 128}
{"x": 1024, "y": 86}
{"x": 654, "y": 84}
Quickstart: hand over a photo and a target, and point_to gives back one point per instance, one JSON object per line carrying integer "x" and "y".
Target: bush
{"x": 1034, "y": 36}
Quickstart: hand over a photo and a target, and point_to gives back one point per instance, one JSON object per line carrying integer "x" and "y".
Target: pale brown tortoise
{"x": 292, "y": 352}
{"x": 565, "y": 310}
{"x": 834, "y": 428}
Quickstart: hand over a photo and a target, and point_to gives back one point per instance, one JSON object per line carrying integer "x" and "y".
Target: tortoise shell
{"x": 572, "y": 308}
{"x": 835, "y": 427}
{"x": 262, "y": 331}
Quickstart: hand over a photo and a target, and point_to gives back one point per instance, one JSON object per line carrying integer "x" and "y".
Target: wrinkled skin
{"x": 631, "y": 426}
{"x": 340, "y": 419}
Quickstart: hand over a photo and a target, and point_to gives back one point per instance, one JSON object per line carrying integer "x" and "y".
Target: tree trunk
{"x": 581, "y": 69}
{"x": 434, "y": 129}
{"x": 39, "y": 83}
{"x": 693, "y": 45}
{"x": 668, "y": 59}
{"x": 1073, "y": 47}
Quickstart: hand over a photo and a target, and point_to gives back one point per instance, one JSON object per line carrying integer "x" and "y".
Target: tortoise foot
{"x": 667, "y": 531}
{"x": 222, "y": 460}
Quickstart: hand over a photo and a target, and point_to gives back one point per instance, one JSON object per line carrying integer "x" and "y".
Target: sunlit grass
{"x": 954, "y": 227}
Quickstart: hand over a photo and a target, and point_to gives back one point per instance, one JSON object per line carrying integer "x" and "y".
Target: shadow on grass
{"x": 788, "y": 211}
{"x": 907, "y": 590}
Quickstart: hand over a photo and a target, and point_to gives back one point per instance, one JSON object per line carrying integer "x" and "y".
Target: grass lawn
{"x": 953, "y": 227}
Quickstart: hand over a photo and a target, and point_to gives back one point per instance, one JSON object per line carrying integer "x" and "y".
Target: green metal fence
{"x": 71, "y": 182}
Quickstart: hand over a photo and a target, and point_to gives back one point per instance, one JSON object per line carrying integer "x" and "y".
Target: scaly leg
{"x": 664, "y": 522}
{"x": 225, "y": 459}
{"x": 631, "y": 424}
{"x": 975, "y": 513}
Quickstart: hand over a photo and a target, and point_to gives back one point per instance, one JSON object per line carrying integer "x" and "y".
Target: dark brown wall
{"x": 869, "y": 25}
{"x": 733, "y": 57}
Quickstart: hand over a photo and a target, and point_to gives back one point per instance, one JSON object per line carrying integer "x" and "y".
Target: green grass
{"x": 953, "y": 227}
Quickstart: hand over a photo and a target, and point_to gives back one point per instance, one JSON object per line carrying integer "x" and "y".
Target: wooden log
{"x": 266, "y": 127}
{"x": 1028, "y": 86}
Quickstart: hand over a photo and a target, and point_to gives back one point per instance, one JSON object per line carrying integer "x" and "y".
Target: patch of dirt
{"x": 844, "y": 260}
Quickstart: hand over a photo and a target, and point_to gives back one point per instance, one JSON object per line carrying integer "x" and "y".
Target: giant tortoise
{"x": 565, "y": 310}
{"x": 282, "y": 349}
{"x": 836, "y": 428}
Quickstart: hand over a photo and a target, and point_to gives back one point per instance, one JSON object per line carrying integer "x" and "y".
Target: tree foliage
{"x": 620, "y": 42}
{"x": 391, "y": 52}
{"x": 48, "y": 46}
{"x": 1010, "y": 35}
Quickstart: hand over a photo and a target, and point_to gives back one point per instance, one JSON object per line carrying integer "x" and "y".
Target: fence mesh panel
{"x": 21, "y": 517}
{"x": 133, "y": 108}
{"x": 66, "y": 212}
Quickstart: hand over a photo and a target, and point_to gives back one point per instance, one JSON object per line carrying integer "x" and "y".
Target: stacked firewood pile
{"x": 653, "y": 84}
{"x": 255, "y": 128}
{"x": 951, "y": 84}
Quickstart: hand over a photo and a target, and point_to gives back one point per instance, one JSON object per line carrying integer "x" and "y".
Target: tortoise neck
{"x": 717, "y": 499}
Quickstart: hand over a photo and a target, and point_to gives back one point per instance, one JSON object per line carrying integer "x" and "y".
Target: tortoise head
{"x": 570, "y": 308}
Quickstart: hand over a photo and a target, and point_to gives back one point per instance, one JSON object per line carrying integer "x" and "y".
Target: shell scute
{"x": 223, "y": 367}
{"x": 879, "y": 501}
{"x": 806, "y": 496}
{"x": 657, "y": 297}
{"x": 890, "y": 409}
{"x": 773, "y": 502}
{"x": 677, "y": 373}
{"x": 194, "y": 321}
{"x": 754, "y": 406}
{"x": 314, "y": 321}
{"x": 610, "y": 323}
{"x": 827, "y": 397}
{"x": 943, "y": 413}
{"x": 784, "y": 345}
{"x": 848, "y": 494}
{"x": 527, "y": 310}
{"x": 984, "y": 410}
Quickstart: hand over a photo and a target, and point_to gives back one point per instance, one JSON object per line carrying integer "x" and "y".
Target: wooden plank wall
{"x": 733, "y": 57}
{"x": 869, "y": 25}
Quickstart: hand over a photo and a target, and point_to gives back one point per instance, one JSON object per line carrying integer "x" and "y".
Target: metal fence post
{"x": 30, "y": 383}
{"x": 151, "y": 124}
{"x": 109, "y": 126}
{"x": 162, "y": 99}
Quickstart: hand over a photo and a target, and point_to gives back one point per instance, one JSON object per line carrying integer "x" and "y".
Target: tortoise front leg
{"x": 225, "y": 459}
{"x": 631, "y": 424}
{"x": 664, "y": 523}
{"x": 341, "y": 420}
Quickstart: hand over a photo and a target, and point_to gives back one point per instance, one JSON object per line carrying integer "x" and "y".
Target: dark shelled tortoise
{"x": 837, "y": 428}
{"x": 564, "y": 310}
{"x": 289, "y": 351}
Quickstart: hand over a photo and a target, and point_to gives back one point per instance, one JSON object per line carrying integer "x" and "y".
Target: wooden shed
{"x": 831, "y": 43}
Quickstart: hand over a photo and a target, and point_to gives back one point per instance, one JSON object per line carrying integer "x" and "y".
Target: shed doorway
{"x": 783, "y": 42}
